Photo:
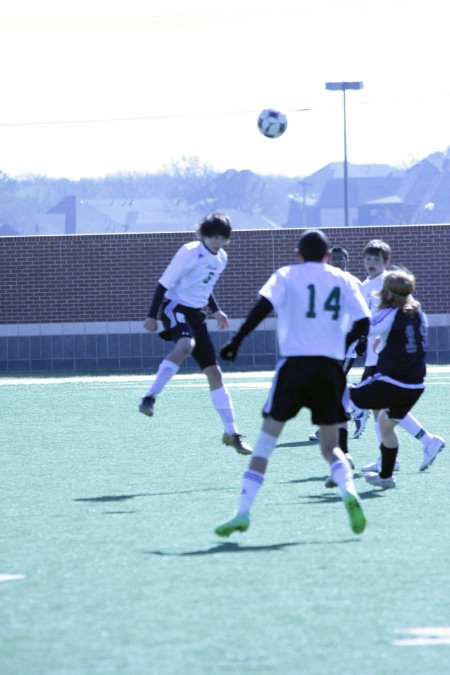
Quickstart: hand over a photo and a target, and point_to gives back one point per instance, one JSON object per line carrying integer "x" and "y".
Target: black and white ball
{"x": 272, "y": 123}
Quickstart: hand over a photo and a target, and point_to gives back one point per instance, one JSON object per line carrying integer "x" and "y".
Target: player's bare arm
{"x": 151, "y": 324}
{"x": 221, "y": 318}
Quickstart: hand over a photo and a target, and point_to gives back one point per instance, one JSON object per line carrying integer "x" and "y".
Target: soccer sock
{"x": 343, "y": 436}
{"x": 376, "y": 426}
{"x": 222, "y": 402}
{"x": 388, "y": 457}
{"x": 166, "y": 371}
{"x": 341, "y": 473}
{"x": 413, "y": 427}
{"x": 251, "y": 482}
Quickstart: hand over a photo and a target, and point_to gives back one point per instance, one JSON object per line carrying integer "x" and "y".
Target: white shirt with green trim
{"x": 192, "y": 273}
{"x": 316, "y": 305}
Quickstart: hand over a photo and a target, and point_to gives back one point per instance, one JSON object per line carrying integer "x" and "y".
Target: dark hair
{"x": 214, "y": 224}
{"x": 339, "y": 249}
{"x": 313, "y": 246}
{"x": 378, "y": 247}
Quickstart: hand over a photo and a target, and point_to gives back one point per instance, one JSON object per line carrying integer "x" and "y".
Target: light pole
{"x": 343, "y": 86}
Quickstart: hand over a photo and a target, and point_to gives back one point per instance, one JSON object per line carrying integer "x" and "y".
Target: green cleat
{"x": 236, "y": 442}
{"x": 239, "y": 523}
{"x": 355, "y": 513}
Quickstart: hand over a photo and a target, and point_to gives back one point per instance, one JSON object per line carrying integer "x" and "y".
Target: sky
{"x": 96, "y": 87}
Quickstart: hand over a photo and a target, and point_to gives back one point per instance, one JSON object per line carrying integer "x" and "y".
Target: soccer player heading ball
{"x": 183, "y": 293}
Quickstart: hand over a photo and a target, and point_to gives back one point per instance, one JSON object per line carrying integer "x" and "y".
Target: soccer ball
{"x": 272, "y": 123}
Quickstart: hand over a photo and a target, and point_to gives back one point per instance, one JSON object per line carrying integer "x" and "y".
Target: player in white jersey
{"x": 338, "y": 257}
{"x": 319, "y": 311}
{"x": 377, "y": 256}
{"x": 183, "y": 292}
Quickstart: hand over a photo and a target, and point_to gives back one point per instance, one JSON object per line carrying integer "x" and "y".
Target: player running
{"x": 316, "y": 304}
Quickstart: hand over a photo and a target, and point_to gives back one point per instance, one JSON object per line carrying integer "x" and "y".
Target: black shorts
{"x": 313, "y": 382}
{"x": 375, "y": 394}
{"x": 180, "y": 321}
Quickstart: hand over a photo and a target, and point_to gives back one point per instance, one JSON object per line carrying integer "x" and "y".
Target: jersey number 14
{"x": 331, "y": 304}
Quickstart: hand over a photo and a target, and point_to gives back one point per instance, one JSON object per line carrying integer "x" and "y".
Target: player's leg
{"x": 326, "y": 397}
{"x": 178, "y": 330}
{"x": 167, "y": 369}
{"x": 253, "y": 477}
{"x": 431, "y": 444}
{"x": 343, "y": 444}
{"x": 283, "y": 403}
{"x": 223, "y": 404}
{"x": 205, "y": 355}
{"x": 342, "y": 475}
{"x": 359, "y": 415}
{"x": 389, "y": 449}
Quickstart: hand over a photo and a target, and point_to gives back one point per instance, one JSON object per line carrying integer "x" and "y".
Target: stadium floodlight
{"x": 343, "y": 86}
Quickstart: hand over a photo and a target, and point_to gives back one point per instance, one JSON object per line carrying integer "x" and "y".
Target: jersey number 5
{"x": 331, "y": 304}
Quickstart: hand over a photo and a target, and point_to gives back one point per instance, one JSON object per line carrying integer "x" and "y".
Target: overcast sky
{"x": 98, "y": 86}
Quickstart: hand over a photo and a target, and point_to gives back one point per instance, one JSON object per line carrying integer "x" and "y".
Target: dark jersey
{"x": 403, "y": 356}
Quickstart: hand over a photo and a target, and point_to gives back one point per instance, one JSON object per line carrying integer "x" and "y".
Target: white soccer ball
{"x": 272, "y": 123}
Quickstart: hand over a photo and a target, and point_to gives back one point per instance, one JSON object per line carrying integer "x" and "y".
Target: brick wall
{"x": 111, "y": 277}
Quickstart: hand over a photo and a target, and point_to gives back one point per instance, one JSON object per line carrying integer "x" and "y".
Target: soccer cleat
{"x": 376, "y": 466}
{"x": 146, "y": 405}
{"x": 431, "y": 451}
{"x": 239, "y": 523}
{"x": 315, "y": 436}
{"x": 384, "y": 483}
{"x": 236, "y": 442}
{"x": 360, "y": 423}
{"x": 355, "y": 513}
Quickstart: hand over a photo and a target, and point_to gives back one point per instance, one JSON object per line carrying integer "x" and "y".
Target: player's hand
{"x": 221, "y": 318}
{"x": 151, "y": 325}
{"x": 229, "y": 351}
{"x": 361, "y": 346}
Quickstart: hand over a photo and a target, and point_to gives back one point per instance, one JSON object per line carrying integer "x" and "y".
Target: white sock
{"x": 265, "y": 443}
{"x": 413, "y": 427}
{"x": 222, "y": 402}
{"x": 251, "y": 482}
{"x": 376, "y": 426}
{"x": 341, "y": 473}
{"x": 166, "y": 371}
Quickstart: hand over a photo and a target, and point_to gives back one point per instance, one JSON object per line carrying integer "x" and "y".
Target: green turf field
{"x": 109, "y": 563}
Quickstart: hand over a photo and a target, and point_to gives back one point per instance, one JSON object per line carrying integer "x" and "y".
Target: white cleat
{"x": 431, "y": 451}
{"x": 384, "y": 483}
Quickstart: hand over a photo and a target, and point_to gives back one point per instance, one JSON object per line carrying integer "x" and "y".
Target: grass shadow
{"x": 297, "y": 444}
{"x": 125, "y": 497}
{"x": 231, "y": 547}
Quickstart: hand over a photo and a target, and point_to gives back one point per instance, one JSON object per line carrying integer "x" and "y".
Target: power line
{"x": 140, "y": 119}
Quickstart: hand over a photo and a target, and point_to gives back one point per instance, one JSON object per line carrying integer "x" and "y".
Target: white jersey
{"x": 370, "y": 289}
{"x": 316, "y": 305}
{"x": 351, "y": 353}
{"x": 192, "y": 273}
